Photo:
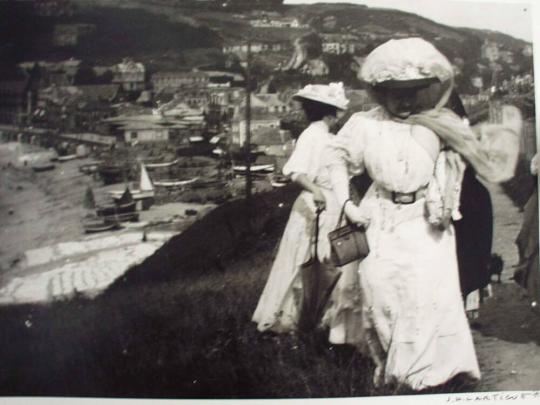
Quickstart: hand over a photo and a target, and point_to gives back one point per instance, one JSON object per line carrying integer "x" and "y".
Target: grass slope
{"x": 189, "y": 338}
{"x": 186, "y": 335}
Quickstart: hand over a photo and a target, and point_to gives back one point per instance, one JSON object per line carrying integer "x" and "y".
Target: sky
{"x": 507, "y": 16}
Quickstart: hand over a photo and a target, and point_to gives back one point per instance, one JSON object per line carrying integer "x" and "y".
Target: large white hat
{"x": 405, "y": 60}
{"x": 409, "y": 62}
{"x": 332, "y": 94}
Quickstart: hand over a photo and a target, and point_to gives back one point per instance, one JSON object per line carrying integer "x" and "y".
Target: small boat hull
{"x": 174, "y": 183}
{"x": 95, "y": 226}
{"x": 135, "y": 194}
{"x": 43, "y": 167}
{"x": 113, "y": 210}
{"x": 240, "y": 169}
{"x": 278, "y": 181}
{"x": 161, "y": 165}
{"x": 66, "y": 158}
{"x": 89, "y": 168}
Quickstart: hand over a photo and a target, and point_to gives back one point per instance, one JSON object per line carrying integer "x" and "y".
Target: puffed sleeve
{"x": 344, "y": 156}
{"x": 305, "y": 157}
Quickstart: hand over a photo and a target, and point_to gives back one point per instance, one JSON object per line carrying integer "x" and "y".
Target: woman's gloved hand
{"x": 319, "y": 199}
{"x": 356, "y": 214}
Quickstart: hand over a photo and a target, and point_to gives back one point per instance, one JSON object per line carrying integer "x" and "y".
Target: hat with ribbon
{"x": 332, "y": 94}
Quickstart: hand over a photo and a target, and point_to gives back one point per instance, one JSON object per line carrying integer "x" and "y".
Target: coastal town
{"x": 107, "y": 161}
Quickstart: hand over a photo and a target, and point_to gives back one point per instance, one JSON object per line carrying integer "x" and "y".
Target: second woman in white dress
{"x": 278, "y": 307}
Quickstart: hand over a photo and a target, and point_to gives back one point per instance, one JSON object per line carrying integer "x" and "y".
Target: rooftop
{"x": 270, "y": 136}
{"x": 100, "y": 92}
{"x": 127, "y": 65}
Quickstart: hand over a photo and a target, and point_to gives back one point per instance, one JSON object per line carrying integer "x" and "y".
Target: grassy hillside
{"x": 184, "y": 334}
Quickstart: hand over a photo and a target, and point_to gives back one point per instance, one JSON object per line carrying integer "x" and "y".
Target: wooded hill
{"x": 168, "y": 34}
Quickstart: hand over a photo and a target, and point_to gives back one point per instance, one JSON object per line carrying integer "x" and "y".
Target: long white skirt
{"x": 278, "y": 307}
{"x": 413, "y": 315}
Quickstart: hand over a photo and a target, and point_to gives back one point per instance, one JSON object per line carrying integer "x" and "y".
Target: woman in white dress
{"x": 278, "y": 307}
{"x": 413, "y": 316}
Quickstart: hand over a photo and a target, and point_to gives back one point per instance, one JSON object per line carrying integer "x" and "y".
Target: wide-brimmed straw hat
{"x": 332, "y": 94}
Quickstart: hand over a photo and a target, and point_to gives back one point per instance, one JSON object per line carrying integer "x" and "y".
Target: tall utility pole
{"x": 247, "y": 143}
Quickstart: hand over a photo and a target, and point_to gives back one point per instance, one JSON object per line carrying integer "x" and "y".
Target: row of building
{"x": 184, "y": 108}
{"x": 172, "y": 106}
{"x": 30, "y": 85}
{"x": 336, "y": 44}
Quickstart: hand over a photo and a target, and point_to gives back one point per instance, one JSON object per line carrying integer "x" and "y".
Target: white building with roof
{"x": 130, "y": 75}
{"x": 284, "y": 22}
{"x": 241, "y": 47}
{"x": 339, "y": 43}
{"x": 155, "y": 127}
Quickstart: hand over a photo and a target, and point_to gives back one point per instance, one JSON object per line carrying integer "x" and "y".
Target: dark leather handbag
{"x": 318, "y": 281}
{"x": 349, "y": 242}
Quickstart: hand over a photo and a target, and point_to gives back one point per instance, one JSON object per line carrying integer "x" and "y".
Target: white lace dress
{"x": 415, "y": 325}
{"x": 278, "y": 306}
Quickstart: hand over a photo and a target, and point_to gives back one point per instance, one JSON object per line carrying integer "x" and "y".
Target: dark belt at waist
{"x": 403, "y": 198}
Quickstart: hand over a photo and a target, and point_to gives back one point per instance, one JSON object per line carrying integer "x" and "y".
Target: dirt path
{"x": 508, "y": 333}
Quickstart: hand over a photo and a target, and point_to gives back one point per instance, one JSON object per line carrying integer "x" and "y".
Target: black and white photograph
{"x": 268, "y": 199}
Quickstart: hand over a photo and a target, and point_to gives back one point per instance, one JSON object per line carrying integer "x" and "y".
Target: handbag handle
{"x": 342, "y": 213}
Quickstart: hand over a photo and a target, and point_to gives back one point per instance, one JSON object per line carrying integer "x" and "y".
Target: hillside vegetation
{"x": 169, "y": 33}
{"x": 119, "y": 33}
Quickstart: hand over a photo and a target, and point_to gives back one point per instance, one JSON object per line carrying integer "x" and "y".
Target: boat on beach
{"x": 94, "y": 225}
{"x": 107, "y": 218}
{"x": 66, "y": 158}
{"x": 161, "y": 165}
{"x": 43, "y": 167}
{"x": 279, "y": 180}
{"x": 145, "y": 190}
{"x": 115, "y": 210}
{"x": 171, "y": 183}
{"x": 242, "y": 169}
{"x": 89, "y": 168}
{"x": 125, "y": 207}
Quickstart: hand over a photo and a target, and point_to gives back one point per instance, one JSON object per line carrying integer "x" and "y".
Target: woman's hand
{"x": 356, "y": 215}
{"x": 319, "y": 199}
